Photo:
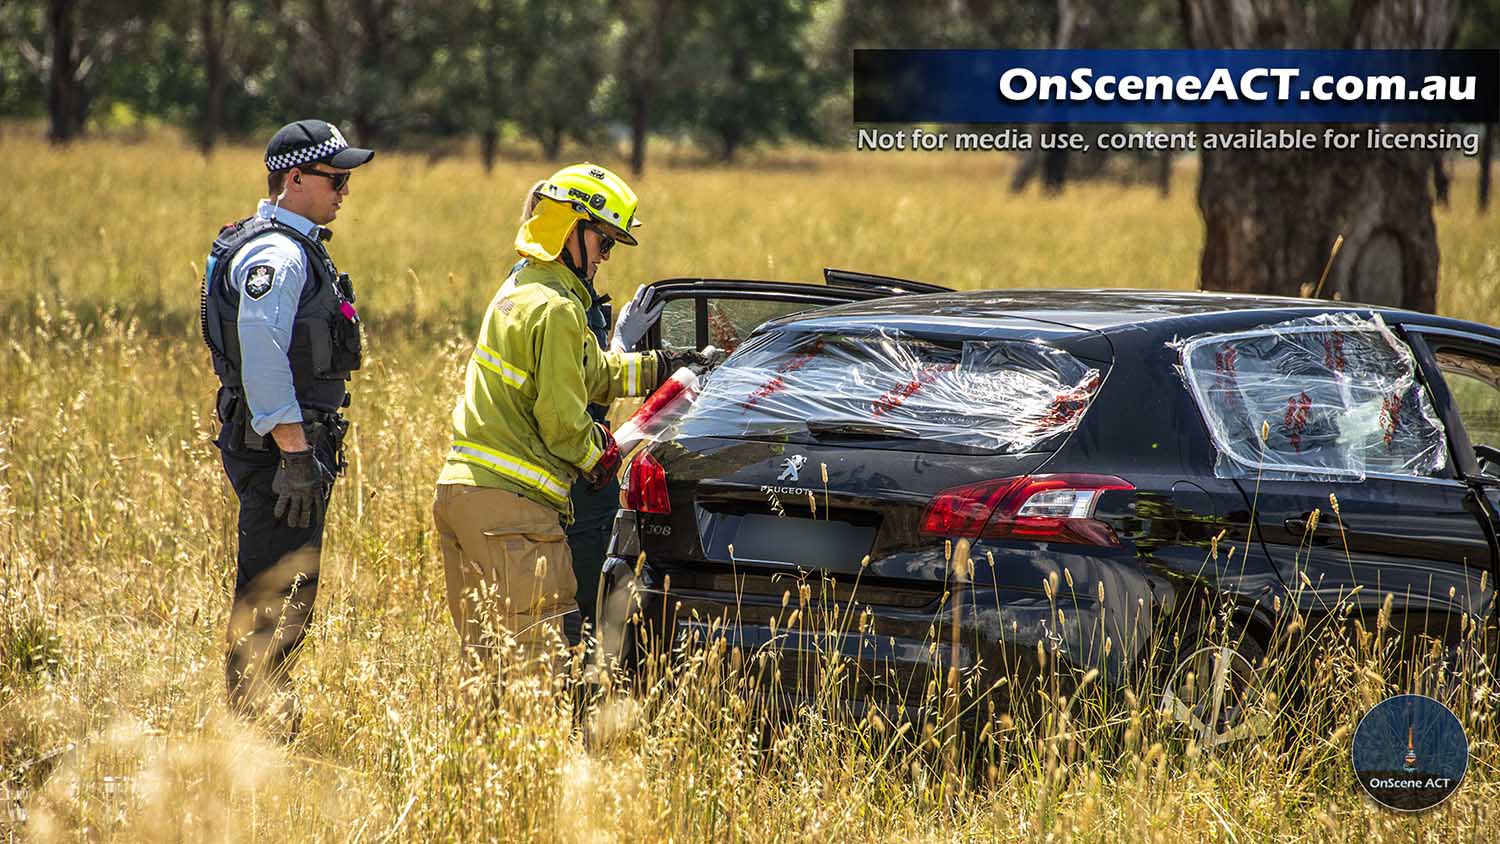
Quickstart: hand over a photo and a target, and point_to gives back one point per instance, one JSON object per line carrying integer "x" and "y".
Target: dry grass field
{"x": 116, "y": 537}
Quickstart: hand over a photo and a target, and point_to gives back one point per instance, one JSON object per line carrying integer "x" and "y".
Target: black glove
{"x": 301, "y": 487}
{"x": 669, "y": 361}
{"x": 599, "y": 476}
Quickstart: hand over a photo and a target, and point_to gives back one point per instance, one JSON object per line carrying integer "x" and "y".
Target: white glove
{"x": 638, "y": 315}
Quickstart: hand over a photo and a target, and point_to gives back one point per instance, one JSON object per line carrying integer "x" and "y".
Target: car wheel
{"x": 1215, "y": 690}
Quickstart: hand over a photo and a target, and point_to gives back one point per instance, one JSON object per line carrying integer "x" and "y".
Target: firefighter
{"x": 593, "y": 508}
{"x": 522, "y": 431}
{"x": 279, "y": 320}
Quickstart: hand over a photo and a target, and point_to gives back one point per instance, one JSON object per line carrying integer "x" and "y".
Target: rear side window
{"x": 730, "y": 320}
{"x": 1002, "y": 396}
{"x": 1330, "y": 397}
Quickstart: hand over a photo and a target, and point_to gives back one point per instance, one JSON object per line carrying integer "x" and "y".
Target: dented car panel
{"x": 1131, "y": 522}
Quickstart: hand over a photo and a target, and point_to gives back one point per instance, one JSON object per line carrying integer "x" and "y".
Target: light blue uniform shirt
{"x": 265, "y": 320}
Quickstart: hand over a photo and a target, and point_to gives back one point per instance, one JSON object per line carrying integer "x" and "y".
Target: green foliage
{"x": 1481, "y": 28}
{"x": 22, "y": 89}
{"x": 467, "y": 86}
{"x": 560, "y": 61}
{"x": 730, "y": 75}
{"x": 354, "y": 62}
{"x": 752, "y": 76}
{"x": 108, "y": 37}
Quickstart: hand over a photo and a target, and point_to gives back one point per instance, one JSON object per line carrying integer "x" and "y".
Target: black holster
{"x": 234, "y": 415}
{"x": 321, "y": 427}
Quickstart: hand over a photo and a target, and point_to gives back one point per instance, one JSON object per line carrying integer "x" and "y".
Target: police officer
{"x": 522, "y": 431}
{"x": 280, "y": 322}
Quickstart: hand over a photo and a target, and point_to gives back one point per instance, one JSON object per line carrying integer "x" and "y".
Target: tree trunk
{"x": 64, "y": 95}
{"x": 732, "y": 133}
{"x": 1486, "y": 151}
{"x": 1271, "y": 216}
{"x": 640, "y": 114}
{"x": 1027, "y": 165}
{"x": 1069, "y": 30}
{"x": 1055, "y": 166}
{"x": 369, "y": 92}
{"x": 552, "y": 140}
{"x": 489, "y": 143}
{"x": 211, "y": 29}
{"x": 1440, "y": 179}
{"x": 1164, "y": 174}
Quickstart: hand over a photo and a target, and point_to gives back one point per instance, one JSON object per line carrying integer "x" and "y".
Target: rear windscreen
{"x": 1001, "y": 396}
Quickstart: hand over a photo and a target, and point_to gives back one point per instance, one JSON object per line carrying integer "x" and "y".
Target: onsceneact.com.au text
{"x": 1257, "y": 84}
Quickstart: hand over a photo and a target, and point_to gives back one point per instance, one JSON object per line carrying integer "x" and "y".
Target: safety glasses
{"x": 338, "y": 180}
{"x": 606, "y": 242}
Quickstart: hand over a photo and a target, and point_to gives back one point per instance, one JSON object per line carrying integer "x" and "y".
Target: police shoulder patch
{"x": 258, "y": 281}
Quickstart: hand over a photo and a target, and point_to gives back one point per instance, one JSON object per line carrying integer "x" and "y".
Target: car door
{"x": 699, "y": 312}
{"x": 1348, "y": 468}
{"x": 1463, "y": 369}
{"x": 721, "y": 312}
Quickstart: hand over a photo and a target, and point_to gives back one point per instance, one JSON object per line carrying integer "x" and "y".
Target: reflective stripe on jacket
{"x": 522, "y": 423}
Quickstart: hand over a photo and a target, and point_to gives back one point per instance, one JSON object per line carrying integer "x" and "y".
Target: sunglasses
{"x": 338, "y": 180}
{"x": 606, "y": 242}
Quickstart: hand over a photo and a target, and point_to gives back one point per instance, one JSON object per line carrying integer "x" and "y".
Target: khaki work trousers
{"x": 509, "y": 577}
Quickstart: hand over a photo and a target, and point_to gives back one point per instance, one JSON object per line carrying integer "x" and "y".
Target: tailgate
{"x": 762, "y": 504}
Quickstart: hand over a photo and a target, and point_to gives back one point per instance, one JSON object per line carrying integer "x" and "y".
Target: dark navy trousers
{"x": 276, "y": 580}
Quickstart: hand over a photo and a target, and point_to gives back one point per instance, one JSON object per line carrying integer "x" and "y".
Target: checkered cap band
{"x": 316, "y": 152}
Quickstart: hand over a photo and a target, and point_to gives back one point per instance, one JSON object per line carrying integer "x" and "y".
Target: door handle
{"x": 1297, "y": 526}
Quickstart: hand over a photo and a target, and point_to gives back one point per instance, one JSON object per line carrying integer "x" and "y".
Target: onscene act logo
{"x": 1410, "y": 753}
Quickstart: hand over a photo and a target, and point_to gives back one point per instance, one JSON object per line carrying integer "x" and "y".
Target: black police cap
{"x": 308, "y": 141}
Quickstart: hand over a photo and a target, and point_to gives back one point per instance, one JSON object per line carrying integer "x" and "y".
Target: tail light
{"x": 645, "y": 487}
{"x": 660, "y": 409}
{"x": 1037, "y": 508}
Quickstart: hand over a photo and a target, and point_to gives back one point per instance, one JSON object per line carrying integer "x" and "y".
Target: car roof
{"x": 1110, "y": 310}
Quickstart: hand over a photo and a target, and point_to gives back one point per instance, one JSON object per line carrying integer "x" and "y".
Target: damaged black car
{"x": 981, "y": 484}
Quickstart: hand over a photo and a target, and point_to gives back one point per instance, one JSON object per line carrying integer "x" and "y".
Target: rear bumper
{"x": 844, "y": 654}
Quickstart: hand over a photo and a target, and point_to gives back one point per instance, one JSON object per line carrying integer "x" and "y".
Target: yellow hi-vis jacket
{"x": 522, "y": 423}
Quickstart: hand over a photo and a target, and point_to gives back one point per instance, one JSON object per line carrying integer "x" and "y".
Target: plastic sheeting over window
{"x": 1330, "y": 397}
{"x": 994, "y": 395}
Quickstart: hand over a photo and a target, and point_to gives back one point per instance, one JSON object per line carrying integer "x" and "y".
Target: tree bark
{"x": 65, "y": 99}
{"x": 1271, "y": 216}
